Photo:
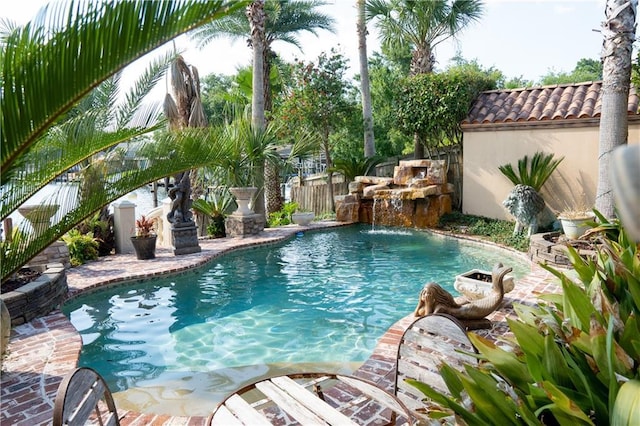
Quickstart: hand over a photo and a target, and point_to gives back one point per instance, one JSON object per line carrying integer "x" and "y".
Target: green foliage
{"x": 218, "y": 202}
{"x": 283, "y": 217}
{"x": 384, "y": 77}
{"x": 215, "y": 206}
{"x": 101, "y": 225}
{"x": 497, "y": 231}
{"x": 353, "y": 166}
{"x": 434, "y": 105}
{"x": 82, "y": 247}
{"x": 585, "y": 70}
{"x": 533, "y": 174}
{"x": 574, "y": 358}
{"x": 50, "y": 121}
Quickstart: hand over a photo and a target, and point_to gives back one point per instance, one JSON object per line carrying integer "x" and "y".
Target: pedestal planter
{"x": 302, "y": 218}
{"x": 145, "y": 247}
{"x": 476, "y": 284}
{"x": 39, "y": 215}
{"x": 243, "y": 196}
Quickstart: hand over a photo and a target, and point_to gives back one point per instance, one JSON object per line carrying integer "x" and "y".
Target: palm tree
{"x": 52, "y": 64}
{"x": 618, "y": 31}
{"x": 284, "y": 21}
{"x": 365, "y": 90}
{"x": 421, "y": 25}
{"x": 257, "y": 22}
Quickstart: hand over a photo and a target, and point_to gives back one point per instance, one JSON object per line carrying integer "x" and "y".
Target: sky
{"x": 521, "y": 38}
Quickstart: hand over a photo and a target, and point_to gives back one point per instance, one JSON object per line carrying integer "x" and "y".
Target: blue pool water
{"x": 321, "y": 297}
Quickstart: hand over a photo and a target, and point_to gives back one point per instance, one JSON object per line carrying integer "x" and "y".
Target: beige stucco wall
{"x": 572, "y": 184}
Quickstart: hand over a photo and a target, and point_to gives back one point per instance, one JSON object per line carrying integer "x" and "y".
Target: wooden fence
{"x": 316, "y": 197}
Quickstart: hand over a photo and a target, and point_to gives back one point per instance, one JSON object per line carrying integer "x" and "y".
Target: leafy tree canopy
{"x": 433, "y": 105}
{"x": 585, "y": 70}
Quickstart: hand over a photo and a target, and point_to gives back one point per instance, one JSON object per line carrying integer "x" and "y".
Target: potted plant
{"x": 144, "y": 242}
{"x": 575, "y": 222}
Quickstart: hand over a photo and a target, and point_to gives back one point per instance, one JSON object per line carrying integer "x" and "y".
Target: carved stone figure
{"x": 181, "y": 201}
{"x": 524, "y": 203}
{"x": 436, "y": 300}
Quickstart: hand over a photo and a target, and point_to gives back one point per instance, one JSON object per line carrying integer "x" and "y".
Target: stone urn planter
{"x": 476, "y": 284}
{"x": 39, "y": 215}
{"x": 575, "y": 225}
{"x": 302, "y": 218}
{"x": 243, "y": 196}
{"x": 145, "y": 247}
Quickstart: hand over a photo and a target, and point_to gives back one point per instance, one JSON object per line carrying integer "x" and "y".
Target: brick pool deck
{"x": 41, "y": 352}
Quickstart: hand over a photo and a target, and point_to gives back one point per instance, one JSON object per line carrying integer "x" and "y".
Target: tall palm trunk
{"x": 272, "y": 193}
{"x": 619, "y": 33}
{"x": 421, "y": 63}
{"x": 257, "y": 19}
{"x": 367, "y": 115}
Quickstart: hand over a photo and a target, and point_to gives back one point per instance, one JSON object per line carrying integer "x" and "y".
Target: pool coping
{"x": 42, "y": 351}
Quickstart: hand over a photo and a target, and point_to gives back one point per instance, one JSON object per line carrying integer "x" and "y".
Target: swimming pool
{"x": 322, "y": 297}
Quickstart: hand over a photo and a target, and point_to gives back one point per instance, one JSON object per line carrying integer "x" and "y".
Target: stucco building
{"x": 505, "y": 125}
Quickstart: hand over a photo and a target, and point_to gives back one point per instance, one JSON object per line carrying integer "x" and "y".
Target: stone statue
{"x": 436, "y": 300}
{"x": 524, "y": 203}
{"x": 180, "y": 196}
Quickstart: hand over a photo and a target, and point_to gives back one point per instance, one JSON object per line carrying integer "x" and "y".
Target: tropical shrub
{"x": 49, "y": 121}
{"x": 533, "y": 174}
{"x": 574, "y": 359}
{"x": 353, "y": 166}
{"x": 82, "y": 247}
{"x": 283, "y": 217}
{"x": 215, "y": 206}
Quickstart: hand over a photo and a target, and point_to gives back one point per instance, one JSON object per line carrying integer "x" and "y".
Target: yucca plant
{"x": 573, "y": 360}
{"x": 44, "y": 129}
{"x": 534, "y": 173}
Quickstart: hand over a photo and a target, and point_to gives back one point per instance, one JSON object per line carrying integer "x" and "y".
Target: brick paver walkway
{"x": 41, "y": 352}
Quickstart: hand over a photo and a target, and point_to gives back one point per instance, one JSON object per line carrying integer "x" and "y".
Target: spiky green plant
{"x": 51, "y": 66}
{"x": 353, "y": 166}
{"x": 574, "y": 359}
{"x": 533, "y": 174}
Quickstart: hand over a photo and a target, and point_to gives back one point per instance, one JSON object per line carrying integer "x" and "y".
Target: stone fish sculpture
{"x": 436, "y": 300}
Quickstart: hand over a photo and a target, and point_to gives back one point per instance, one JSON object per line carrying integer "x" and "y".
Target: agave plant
{"x": 533, "y": 174}
{"x": 574, "y": 359}
{"x": 42, "y": 83}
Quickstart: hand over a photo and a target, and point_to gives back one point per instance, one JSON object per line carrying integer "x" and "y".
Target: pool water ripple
{"x": 323, "y": 297}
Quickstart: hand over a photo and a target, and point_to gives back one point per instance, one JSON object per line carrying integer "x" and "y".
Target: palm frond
{"x": 154, "y": 72}
{"x": 83, "y": 45}
{"x": 183, "y": 151}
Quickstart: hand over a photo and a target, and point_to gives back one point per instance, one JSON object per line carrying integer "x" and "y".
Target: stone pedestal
{"x": 124, "y": 225}
{"x": 240, "y": 226}
{"x": 184, "y": 238}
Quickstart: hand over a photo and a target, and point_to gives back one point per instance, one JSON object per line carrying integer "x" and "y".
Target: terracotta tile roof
{"x": 534, "y": 104}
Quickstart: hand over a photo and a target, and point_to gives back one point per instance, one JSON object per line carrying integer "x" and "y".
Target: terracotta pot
{"x": 145, "y": 247}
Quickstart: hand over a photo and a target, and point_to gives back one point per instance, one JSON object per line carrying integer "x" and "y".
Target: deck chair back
{"x": 425, "y": 345}
{"x": 84, "y": 398}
